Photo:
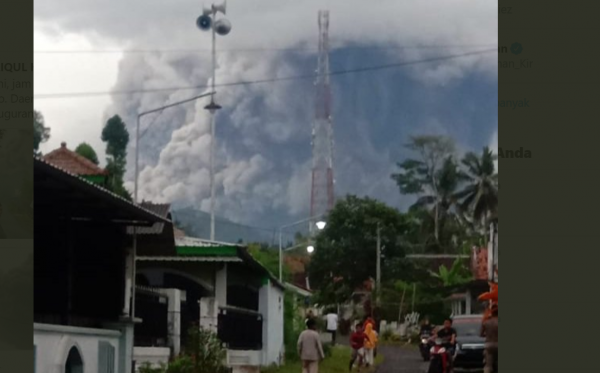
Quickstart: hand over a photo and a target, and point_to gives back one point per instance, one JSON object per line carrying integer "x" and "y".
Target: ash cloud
{"x": 263, "y": 132}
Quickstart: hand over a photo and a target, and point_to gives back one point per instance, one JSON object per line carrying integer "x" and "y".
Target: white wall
{"x": 153, "y": 355}
{"x": 271, "y": 307}
{"x": 53, "y": 343}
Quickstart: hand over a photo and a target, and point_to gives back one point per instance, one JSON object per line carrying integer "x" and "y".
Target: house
{"x": 76, "y": 164}
{"x": 215, "y": 285}
{"x": 484, "y": 267}
{"x": 83, "y": 256}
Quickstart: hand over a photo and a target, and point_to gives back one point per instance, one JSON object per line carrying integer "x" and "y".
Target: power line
{"x": 252, "y": 50}
{"x": 262, "y": 81}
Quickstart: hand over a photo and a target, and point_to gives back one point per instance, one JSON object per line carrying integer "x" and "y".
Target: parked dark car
{"x": 470, "y": 346}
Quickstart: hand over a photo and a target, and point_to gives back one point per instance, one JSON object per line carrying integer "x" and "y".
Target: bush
{"x": 387, "y": 335}
{"x": 203, "y": 354}
{"x": 182, "y": 364}
{"x": 327, "y": 349}
{"x": 293, "y": 325}
{"x": 148, "y": 368}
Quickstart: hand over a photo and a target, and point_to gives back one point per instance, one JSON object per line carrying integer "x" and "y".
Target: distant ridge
{"x": 196, "y": 223}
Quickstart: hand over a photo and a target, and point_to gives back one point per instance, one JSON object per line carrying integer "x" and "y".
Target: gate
{"x": 240, "y": 330}
{"x": 153, "y": 310}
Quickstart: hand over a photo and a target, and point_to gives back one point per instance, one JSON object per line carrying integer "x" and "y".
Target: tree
{"x": 116, "y": 137}
{"x": 434, "y": 176}
{"x": 458, "y": 274}
{"x": 41, "y": 133}
{"x": 85, "y": 150}
{"x": 480, "y": 195}
{"x": 345, "y": 253}
{"x": 269, "y": 258}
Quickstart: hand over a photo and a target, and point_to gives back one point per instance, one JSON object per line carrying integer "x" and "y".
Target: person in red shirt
{"x": 357, "y": 342}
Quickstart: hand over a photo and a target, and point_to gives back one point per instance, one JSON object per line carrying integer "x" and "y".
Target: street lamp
{"x": 208, "y": 20}
{"x": 136, "y": 176}
{"x": 320, "y": 225}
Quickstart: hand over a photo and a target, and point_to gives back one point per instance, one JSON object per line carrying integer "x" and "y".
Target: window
{"x": 106, "y": 357}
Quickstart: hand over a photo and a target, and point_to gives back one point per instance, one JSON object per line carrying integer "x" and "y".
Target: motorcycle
{"x": 439, "y": 358}
{"x": 425, "y": 345}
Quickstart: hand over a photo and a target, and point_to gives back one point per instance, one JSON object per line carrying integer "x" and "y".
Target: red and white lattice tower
{"x": 322, "y": 196}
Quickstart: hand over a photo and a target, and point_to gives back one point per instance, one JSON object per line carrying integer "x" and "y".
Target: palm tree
{"x": 480, "y": 195}
{"x": 443, "y": 196}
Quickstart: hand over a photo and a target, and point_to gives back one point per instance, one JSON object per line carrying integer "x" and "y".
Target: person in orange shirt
{"x": 370, "y": 345}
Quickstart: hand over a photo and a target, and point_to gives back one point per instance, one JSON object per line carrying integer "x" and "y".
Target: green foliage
{"x": 148, "y": 368}
{"x": 480, "y": 195}
{"x": 182, "y": 364}
{"x": 347, "y": 248}
{"x": 269, "y": 258}
{"x": 293, "y": 325}
{"x": 458, "y": 274}
{"x": 116, "y": 137}
{"x": 419, "y": 175}
{"x": 336, "y": 362}
{"x": 41, "y": 133}
{"x": 205, "y": 352}
{"x": 85, "y": 150}
{"x": 387, "y": 335}
{"x": 434, "y": 176}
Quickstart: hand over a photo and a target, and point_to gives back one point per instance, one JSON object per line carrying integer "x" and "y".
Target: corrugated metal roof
{"x": 189, "y": 259}
{"x": 199, "y": 242}
{"x": 159, "y": 209}
{"x": 99, "y": 188}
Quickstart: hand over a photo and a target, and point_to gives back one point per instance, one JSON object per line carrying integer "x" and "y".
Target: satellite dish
{"x": 204, "y": 22}
{"x": 222, "y": 26}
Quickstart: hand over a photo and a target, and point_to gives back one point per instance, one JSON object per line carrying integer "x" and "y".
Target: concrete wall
{"x": 54, "y": 342}
{"x": 271, "y": 307}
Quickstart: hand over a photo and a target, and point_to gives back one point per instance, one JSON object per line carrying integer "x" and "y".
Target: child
{"x": 370, "y": 345}
{"x": 357, "y": 342}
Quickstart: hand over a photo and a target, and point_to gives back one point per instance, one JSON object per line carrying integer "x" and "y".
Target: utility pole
{"x": 378, "y": 276}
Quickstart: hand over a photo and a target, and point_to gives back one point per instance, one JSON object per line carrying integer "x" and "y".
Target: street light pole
{"x": 212, "y": 132}
{"x": 320, "y": 226}
{"x": 221, "y": 27}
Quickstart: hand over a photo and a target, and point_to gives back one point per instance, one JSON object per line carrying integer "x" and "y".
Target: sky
{"x": 263, "y": 132}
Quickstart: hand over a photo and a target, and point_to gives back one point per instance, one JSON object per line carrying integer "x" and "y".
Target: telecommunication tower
{"x": 322, "y": 196}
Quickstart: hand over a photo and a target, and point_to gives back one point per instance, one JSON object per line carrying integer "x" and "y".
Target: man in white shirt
{"x": 332, "y": 325}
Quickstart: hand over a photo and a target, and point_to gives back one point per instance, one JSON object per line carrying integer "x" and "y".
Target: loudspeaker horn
{"x": 222, "y": 26}
{"x": 221, "y": 8}
{"x": 204, "y": 22}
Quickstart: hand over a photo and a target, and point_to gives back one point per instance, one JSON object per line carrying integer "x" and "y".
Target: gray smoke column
{"x": 263, "y": 132}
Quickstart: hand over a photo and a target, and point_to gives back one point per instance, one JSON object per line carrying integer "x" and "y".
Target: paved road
{"x": 401, "y": 360}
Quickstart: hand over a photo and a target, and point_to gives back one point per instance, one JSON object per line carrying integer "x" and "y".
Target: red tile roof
{"x": 73, "y": 163}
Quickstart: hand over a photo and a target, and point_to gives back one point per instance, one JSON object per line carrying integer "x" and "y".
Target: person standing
{"x": 309, "y": 316}
{"x": 332, "y": 325}
{"x": 370, "y": 345}
{"x": 489, "y": 330}
{"x": 310, "y": 348}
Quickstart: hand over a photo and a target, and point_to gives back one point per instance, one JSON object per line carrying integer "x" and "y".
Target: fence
{"x": 240, "y": 329}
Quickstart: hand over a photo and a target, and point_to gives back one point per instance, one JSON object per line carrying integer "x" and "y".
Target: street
{"x": 401, "y": 360}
